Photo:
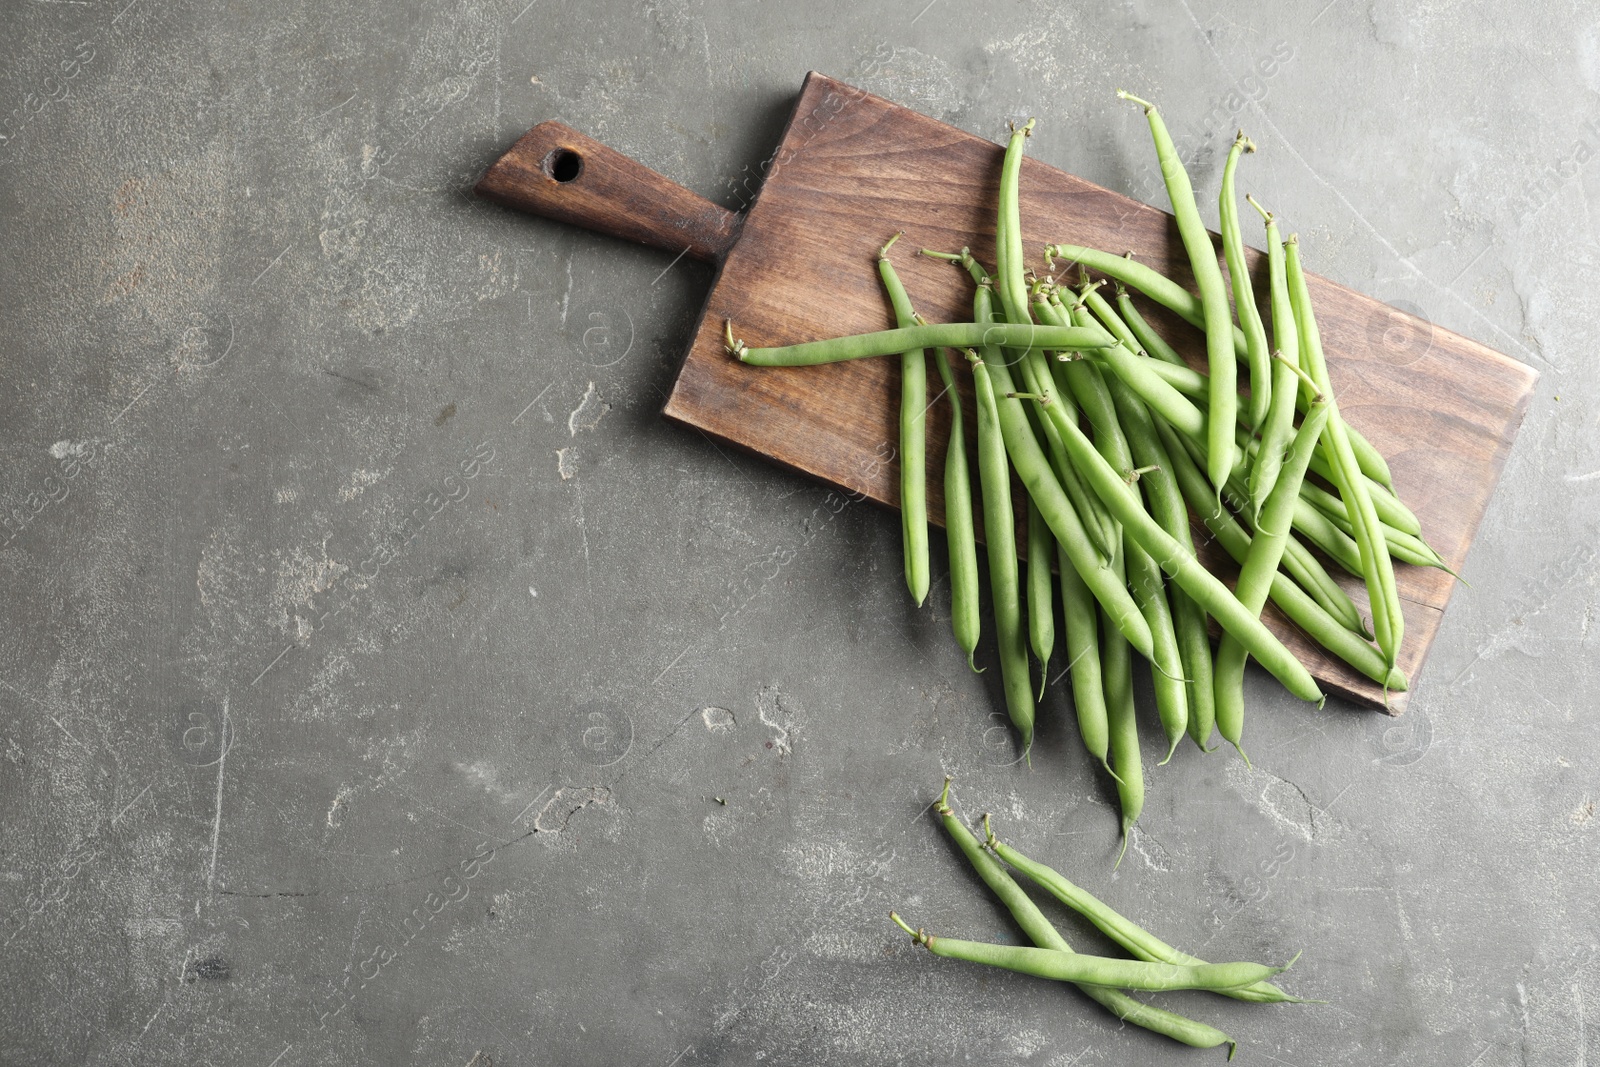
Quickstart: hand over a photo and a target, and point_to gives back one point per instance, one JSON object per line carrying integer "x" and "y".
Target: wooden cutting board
{"x": 799, "y": 264}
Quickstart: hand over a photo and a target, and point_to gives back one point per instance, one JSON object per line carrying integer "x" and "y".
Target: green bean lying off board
{"x": 1155, "y": 966}
{"x": 1084, "y": 403}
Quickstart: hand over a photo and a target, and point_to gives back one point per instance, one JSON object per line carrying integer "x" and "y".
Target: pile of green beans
{"x": 1155, "y": 965}
{"x": 1114, "y": 439}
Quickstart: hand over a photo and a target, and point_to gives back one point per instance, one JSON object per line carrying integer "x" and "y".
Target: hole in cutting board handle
{"x": 564, "y": 165}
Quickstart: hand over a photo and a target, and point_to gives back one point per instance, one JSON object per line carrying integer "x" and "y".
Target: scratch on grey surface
{"x": 286, "y": 650}
{"x": 534, "y": 401}
{"x": 434, "y": 811}
{"x": 280, "y": 1055}
{"x": 118, "y": 816}
{"x": 216, "y": 821}
{"x": 566, "y": 297}
{"x": 159, "y": 1010}
{"x": 671, "y": 665}
{"x": 1376, "y": 234}
{"x": 567, "y": 462}
{"x": 688, "y": 1049}
{"x": 523, "y": 12}
{"x": 68, "y": 732}
{"x": 334, "y": 108}
{"x": 132, "y": 402}
{"x": 280, "y": 255}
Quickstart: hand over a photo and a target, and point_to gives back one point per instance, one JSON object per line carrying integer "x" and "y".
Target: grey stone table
{"x": 383, "y": 681}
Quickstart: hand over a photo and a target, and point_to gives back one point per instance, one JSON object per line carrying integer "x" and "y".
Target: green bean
{"x": 1082, "y": 622}
{"x": 1008, "y": 230}
{"x": 1167, "y": 677}
{"x": 1378, "y": 571}
{"x": 1079, "y": 969}
{"x": 958, "y": 523}
{"x": 1260, "y": 565}
{"x": 1041, "y": 599}
{"x": 1127, "y": 765}
{"x": 1130, "y": 935}
{"x": 1223, "y": 403}
{"x": 1181, "y": 565}
{"x": 999, "y": 528}
{"x": 1294, "y": 602}
{"x": 1167, "y": 508}
{"x": 1152, "y": 342}
{"x": 1035, "y": 473}
{"x": 913, "y": 436}
{"x": 1244, "y": 298}
{"x": 1039, "y": 930}
{"x": 1278, "y": 427}
{"x": 894, "y": 342}
{"x": 1169, "y": 294}
{"x": 1391, "y": 512}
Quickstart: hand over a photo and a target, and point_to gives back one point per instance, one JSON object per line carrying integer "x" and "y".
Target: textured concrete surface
{"x": 384, "y": 682}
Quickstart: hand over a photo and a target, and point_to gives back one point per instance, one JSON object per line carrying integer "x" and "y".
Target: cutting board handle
{"x": 559, "y": 173}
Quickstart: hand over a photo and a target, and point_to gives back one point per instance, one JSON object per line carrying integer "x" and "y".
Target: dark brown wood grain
{"x": 854, "y": 168}
{"x": 555, "y": 171}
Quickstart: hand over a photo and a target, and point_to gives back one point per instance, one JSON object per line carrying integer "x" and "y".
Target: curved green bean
{"x": 1223, "y": 402}
{"x": 1130, "y": 935}
{"x": 1000, "y": 537}
{"x": 1041, "y": 596}
{"x": 893, "y": 342}
{"x": 1278, "y": 426}
{"x": 1244, "y": 297}
{"x": 1387, "y": 622}
{"x": 960, "y": 534}
{"x": 1012, "y": 288}
{"x": 1039, "y": 930}
{"x": 1080, "y": 969}
{"x": 913, "y": 436}
{"x": 1260, "y": 565}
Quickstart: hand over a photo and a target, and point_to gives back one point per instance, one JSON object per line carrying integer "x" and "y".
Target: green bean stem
{"x": 999, "y": 527}
{"x": 1130, "y": 935}
{"x": 1244, "y": 297}
{"x": 960, "y": 534}
{"x": 1039, "y": 930}
{"x": 1378, "y": 571}
{"x": 1223, "y": 403}
{"x": 1294, "y": 602}
{"x": 1041, "y": 596}
{"x": 1260, "y": 565}
{"x": 1278, "y": 427}
{"x": 894, "y": 342}
{"x": 913, "y": 436}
